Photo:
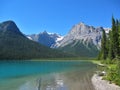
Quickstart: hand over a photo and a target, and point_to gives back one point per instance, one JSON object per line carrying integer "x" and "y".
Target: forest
{"x": 110, "y": 52}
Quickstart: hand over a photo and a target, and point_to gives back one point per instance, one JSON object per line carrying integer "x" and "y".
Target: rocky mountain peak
{"x": 45, "y": 38}
{"x": 81, "y": 28}
{"x": 44, "y": 32}
{"x": 9, "y": 26}
{"x": 82, "y": 32}
{"x": 81, "y": 23}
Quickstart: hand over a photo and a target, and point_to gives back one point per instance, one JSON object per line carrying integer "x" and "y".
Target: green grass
{"x": 95, "y": 62}
{"x": 112, "y": 68}
{"x": 113, "y": 71}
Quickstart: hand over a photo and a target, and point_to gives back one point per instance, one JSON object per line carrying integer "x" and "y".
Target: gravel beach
{"x": 100, "y": 84}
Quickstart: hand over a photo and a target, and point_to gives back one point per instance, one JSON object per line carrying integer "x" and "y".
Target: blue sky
{"x": 58, "y": 16}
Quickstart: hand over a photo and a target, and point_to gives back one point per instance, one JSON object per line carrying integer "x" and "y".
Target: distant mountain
{"x": 14, "y": 45}
{"x": 82, "y": 40}
{"x": 9, "y": 26}
{"x": 84, "y": 33}
{"x": 44, "y": 38}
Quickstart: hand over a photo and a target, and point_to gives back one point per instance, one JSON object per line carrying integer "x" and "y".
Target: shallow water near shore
{"x": 46, "y": 75}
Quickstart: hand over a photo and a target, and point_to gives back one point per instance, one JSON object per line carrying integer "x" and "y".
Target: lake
{"x": 46, "y": 75}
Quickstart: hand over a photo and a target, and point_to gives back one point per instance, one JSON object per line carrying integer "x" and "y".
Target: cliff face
{"x": 45, "y": 38}
{"x": 82, "y": 40}
{"x": 83, "y": 33}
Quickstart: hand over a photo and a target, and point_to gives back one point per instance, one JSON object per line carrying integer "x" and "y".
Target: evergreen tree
{"x": 113, "y": 36}
{"x": 116, "y": 39}
{"x": 107, "y": 44}
{"x": 119, "y": 38}
{"x": 110, "y": 51}
{"x": 103, "y": 46}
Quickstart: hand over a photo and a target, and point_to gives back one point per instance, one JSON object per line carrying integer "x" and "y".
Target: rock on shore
{"x": 100, "y": 84}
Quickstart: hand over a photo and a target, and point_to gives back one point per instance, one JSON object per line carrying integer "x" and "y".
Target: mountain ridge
{"x": 82, "y": 32}
{"x": 14, "y": 45}
{"x": 97, "y": 32}
{"x": 45, "y": 38}
{"x": 80, "y": 35}
{"x": 82, "y": 40}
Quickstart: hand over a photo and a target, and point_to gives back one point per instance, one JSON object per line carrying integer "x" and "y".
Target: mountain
{"x": 84, "y": 33}
{"x": 82, "y": 40}
{"x": 14, "y": 45}
{"x": 44, "y": 38}
{"x": 9, "y": 26}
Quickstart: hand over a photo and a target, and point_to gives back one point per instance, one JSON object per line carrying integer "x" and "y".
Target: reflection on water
{"x": 75, "y": 80}
{"x": 46, "y": 82}
{"x": 65, "y": 75}
{"x": 52, "y": 82}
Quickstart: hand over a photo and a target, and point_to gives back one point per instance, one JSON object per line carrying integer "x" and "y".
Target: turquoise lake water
{"x": 45, "y": 75}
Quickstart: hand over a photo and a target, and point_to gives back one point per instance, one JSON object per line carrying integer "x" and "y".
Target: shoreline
{"x": 100, "y": 84}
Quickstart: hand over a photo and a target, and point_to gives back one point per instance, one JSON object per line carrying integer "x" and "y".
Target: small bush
{"x": 113, "y": 74}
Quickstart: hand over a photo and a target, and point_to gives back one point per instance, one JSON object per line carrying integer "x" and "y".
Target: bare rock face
{"x": 45, "y": 38}
{"x": 9, "y": 26}
{"x": 81, "y": 32}
{"x": 82, "y": 40}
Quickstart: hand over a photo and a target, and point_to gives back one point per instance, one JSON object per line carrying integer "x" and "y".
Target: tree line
{"x": 110, "y": 43}
{"x": 110, "y": 52}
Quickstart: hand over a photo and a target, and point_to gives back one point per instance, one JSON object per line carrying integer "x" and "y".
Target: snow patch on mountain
{"x": 79, "y": 33}
{"x": 29, "y": 37}
{"x": 59, "y": 38}
{"x": 45, "y": 38}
